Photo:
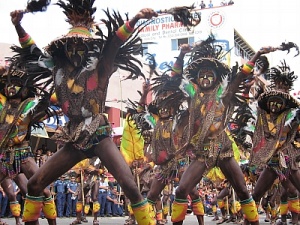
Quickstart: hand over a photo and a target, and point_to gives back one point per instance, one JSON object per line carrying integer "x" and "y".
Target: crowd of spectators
{"x": 210, "y": 4}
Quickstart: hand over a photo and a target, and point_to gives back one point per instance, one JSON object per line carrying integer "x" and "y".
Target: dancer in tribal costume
{"x": 170, "y": 128}
{"x": 24, "y": 103}
{"x": 87, "y": 176}
{"x": 82, "y": 66}
{"x": 276, "y": 136}
{"x": 214, "y": 94}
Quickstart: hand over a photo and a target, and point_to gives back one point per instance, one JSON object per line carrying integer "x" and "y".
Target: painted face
{"x": 147, "y": 135}
{"x": 12, "y": 90}
{"x": 164, "y": 112}
{"x": 76, "y": 53}
{"x": 207, "y": 78}
{"x": 276, "y": 104}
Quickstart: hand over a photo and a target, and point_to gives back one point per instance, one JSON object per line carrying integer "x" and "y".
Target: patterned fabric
{"x": 85, "y": 136}
{"x": 12, "y": 159}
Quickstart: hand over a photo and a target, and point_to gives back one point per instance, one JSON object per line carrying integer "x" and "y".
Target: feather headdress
{"x": 282, "y": 81}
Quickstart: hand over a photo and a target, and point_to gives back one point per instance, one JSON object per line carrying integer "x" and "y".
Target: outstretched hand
{"x": 267, "y": 49}
{"x": 146, "y": 87}
{"x": 185, "y": 48}
{"x": 16, "y": 17}
{"x": 146, "y": 13}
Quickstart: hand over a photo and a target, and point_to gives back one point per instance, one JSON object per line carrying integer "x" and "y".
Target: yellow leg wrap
{"x": 79, "y": 207}
{"x": 179, "y": 208}
{"x": 221, "y": 203}
{"x": 273, "y": 212}
{"x": 142, "y": 213}
{"x": 293, "y": 204}
{"x": 32, "y": 208}
{"x": 159, "y": 215}
{"x": 166, "y": 210}
{"x": 96, "y": 207}
{"x": 15, "y": 208}
{"x": 284, "y": 209}
{"x": 197, "y": 207}
{"x": 152, "y": 208}
{"x": 86, "y": 208}
{"x": 214, "y": 208}
{"x": 49, "y": 208}
{"x": 250, "y": 210}
{"x": 236, "y": 207}
{"x": 130, "y": 209}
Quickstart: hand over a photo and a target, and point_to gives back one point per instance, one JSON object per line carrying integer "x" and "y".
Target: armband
{"x": 124, "y": 31}
{"x": 247, "y": 68}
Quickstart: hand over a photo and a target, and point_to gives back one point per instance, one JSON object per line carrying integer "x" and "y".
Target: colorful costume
{"x": 22, "y": 106}
{"x": 214, "y": 91}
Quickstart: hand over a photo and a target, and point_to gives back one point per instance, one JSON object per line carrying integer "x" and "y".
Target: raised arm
{"x": 24, "y": 38}
{"x": 122, "y": 34}
{"x": 178, "y": 65}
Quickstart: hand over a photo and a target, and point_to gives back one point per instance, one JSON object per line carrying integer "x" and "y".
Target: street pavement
{"x": 189, "y": 220}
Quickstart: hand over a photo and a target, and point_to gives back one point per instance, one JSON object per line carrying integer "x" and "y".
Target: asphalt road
{"x": 190, "y": 220}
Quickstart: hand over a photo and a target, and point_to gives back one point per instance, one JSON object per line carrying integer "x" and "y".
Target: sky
{"x": 260, "y": 22}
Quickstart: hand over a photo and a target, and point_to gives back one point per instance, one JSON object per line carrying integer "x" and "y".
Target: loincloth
{"x": 217, "y": 149}
{"x": 170, "y": 170}
{"x": 12, "y": 158}
{"x": 84, "y": 137}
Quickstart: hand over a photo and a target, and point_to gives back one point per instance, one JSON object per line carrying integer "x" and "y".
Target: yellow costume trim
{"x": 79, "y": 207}
{"x": 49, "y": 208}
{"x": 197, "y": 208}
{"x": 284, "y": 209}
{"x": 86, "y": 208}
{"x": 294, "y": 205}
{"x": 15, "y": 209}
{"x": 32, "y": 208}
{"x": 166, "y": 210}
{"x": 179, "y": 210}
{"x": 250, "y": 210}
{"x": 221, "y": 203}
{"x": 142, "y": 213}
{"x": 96, "y": 207}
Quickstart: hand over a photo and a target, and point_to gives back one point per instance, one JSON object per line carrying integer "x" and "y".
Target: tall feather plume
{"x": 79, "y": 12}
{"x": 282, "y": 78}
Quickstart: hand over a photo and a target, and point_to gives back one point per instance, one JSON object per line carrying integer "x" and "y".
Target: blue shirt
{"x": 72, "y": 185}
{"x": 60, "y": 186}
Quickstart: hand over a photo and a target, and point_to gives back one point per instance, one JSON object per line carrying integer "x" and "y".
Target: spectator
{"x": 103, "y": 188}
{"x": 113, "y": 207}
{"x": 60, "y": 190}
{"x": 3, "y": 202}
{"x": 39, "y": 157}
{"x": 72, "y": 193}
{"x": 230, "y": 2}
{"x": 202, "y": 5}
{"x": 47, "y": 155}
{"x": 223, "y": 3}
{"x": 210, "y": 5}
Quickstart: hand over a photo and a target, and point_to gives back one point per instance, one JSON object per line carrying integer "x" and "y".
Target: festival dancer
{"x": 82, "y": 66}
{"x": 170, "y": 134}
{"x": 8, "y": 188}
{"x": 275, "y": 138}
{"x": 23, "y": 105}
{"x": 87, "y": 174}
{"x": 213, "y": 89}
